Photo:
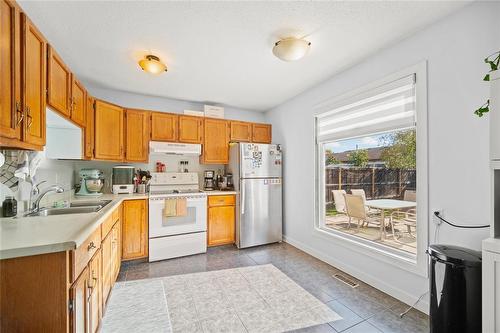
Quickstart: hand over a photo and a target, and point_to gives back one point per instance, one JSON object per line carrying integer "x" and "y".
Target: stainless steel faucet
{"x": 36, "y": 204}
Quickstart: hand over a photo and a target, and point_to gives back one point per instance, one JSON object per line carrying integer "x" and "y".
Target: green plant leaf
{"x": 487, "y": 77}
{"x": 485, "y": 108}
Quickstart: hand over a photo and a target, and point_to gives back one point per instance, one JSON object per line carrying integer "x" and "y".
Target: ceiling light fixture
{"x": 152, "y": 64}
{"x": 291, "y": 49}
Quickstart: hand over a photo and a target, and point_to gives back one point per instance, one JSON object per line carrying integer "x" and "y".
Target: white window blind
{"x": 388, "y": 107}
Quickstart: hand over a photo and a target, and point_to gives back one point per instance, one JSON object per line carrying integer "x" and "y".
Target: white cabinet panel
{"x": 491, "y": 292}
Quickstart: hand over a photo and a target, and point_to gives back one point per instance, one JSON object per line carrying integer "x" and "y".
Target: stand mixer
{"x": 91, "y": 182}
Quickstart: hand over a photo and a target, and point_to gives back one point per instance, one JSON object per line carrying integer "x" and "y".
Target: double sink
{"x": 77, "y": 207}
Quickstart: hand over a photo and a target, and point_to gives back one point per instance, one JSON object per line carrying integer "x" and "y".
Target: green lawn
{"x": 331, "y": 211}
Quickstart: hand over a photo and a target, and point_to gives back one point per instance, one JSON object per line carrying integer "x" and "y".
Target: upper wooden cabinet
{"x": 11, "y": 115}
{"x": 34, "y": 61}
{"x": 89, "y": 129}
{"x": 108, "y": 133}
{"x": 134, "y": 229}
{"x": 163, "y": 126}
{"x": 136, "y": 135}
{"x": 78, "y": 102}
{"x": 65, "y": 93}
{"x": 58, "y": 83}
{"x": 190, "y": 129}
{"x": 261, "y": 133}
{"x": 216, "y": 141}
{"x": 241, "y": 131}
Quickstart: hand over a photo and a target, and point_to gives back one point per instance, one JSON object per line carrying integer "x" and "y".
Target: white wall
{"x": 131, "y": 100}
{"x": 458, "y": 141}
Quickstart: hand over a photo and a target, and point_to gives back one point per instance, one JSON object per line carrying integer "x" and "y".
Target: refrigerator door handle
{"x": 242, "y": 197}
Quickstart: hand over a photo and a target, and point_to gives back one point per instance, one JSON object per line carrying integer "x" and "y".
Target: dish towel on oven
{"x": 181, "y": 207}
{"x": 170, "y": 208}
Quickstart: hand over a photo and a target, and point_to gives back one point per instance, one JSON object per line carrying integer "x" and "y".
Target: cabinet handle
{"x": 30, "y": 118}
{"x": 91, "y": 246}
{"x": 19, "y": 114}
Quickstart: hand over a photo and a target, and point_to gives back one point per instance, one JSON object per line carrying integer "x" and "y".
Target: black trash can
{"x": 455, "y": 289}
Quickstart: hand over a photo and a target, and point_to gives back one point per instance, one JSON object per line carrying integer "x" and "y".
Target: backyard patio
{"x": 370, "y": 196}
{"x": 372, "y": 232}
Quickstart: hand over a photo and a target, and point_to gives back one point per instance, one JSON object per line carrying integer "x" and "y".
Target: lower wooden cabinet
{"x": 134, "y": 229}
{"x": 80, "y": 303}
{"x": 62, "y": 291}
{"x": 111, "y": 255}
{"x": 221, "y": 220}
{"x": 95, "y": 292}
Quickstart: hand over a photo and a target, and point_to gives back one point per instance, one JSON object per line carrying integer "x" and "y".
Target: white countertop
{"x": 491, "y": 244}
{"x": 217, "y": 192}
{"x": 25, "y": 236}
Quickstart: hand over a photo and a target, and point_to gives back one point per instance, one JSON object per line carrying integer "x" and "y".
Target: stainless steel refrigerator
{"x": 256, "y": 170}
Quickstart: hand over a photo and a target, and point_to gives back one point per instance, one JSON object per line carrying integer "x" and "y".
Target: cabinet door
{"x": 190, "y": 129}
{"x": 134, "y": 229}
{"x": 58, "y": 83}
{"x": 136, "y": 135}
{"x": 79, "y": 296}
{"x": 106, "y": 250}
{"x": 33, "y": 65}
{"x": 11, "y": 115}
{"x": 163, "y": 126}
{"x": 241, "y": 131}
{"x": 216, "y": 142}
{"x": 89, "y": 129}
{"x": 221, "y": 227}
{"x": 116, "y": 251}
{"x": 491, "y": 291}
{"x": 95, "y": 290}
{"x": 261, "y": 133}
{"x": 108, "y": 133}
{"x": 78, "y": 102}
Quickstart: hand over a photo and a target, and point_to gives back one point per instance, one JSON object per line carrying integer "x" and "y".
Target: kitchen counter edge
{"x": 79, "y": 238}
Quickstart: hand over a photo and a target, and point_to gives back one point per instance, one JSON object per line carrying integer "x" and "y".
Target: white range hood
{"x": 173, "y": 148}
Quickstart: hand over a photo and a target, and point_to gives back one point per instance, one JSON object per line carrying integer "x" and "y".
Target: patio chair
{"x": 410, "y": 195}
{"x": 361, "y": 193}
{"x": 408, "y": 219}
{"x": 356, "y": 210}
{"x": 339, "y": 200}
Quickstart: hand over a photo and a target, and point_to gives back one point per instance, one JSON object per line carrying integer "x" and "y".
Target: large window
{"x": 367, "y": 160}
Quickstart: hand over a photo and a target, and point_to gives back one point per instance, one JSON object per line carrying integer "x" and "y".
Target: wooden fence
{"x": 377, "y": 182}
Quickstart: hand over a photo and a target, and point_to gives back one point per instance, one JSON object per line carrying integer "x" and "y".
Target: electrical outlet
{"x": 435, "y": 218}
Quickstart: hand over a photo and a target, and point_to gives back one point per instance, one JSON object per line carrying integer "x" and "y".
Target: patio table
{"x": 391, "y": 205}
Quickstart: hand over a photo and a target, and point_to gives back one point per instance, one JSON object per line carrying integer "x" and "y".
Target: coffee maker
{"x": 209, "y": 183}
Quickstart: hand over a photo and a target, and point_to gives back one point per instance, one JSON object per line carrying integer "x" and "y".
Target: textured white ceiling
{"x": 220, "y": 52}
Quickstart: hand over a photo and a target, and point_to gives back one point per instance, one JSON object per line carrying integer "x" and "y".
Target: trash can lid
{"x": 455, "y": 254}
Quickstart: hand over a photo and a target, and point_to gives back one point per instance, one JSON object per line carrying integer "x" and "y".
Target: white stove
{"x": 185, "y": 233}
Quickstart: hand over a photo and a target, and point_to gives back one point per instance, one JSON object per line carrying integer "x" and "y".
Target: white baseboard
{"x": 397, "y": 293}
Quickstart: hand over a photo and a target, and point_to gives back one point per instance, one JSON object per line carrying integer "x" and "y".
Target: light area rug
{"x": 248, "y": 299}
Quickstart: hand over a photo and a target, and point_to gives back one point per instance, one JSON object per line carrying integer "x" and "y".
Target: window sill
{"x": 412, "y": 263}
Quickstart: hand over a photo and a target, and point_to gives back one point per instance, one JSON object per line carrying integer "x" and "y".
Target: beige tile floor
{"x": 403, "y": 241}
{"x": 363, "y": 309}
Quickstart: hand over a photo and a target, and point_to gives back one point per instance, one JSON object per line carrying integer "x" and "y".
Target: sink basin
{"x": 82, "y": 203}
{"x": 69, "y": 210}
{"x": 74, "y": 208}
